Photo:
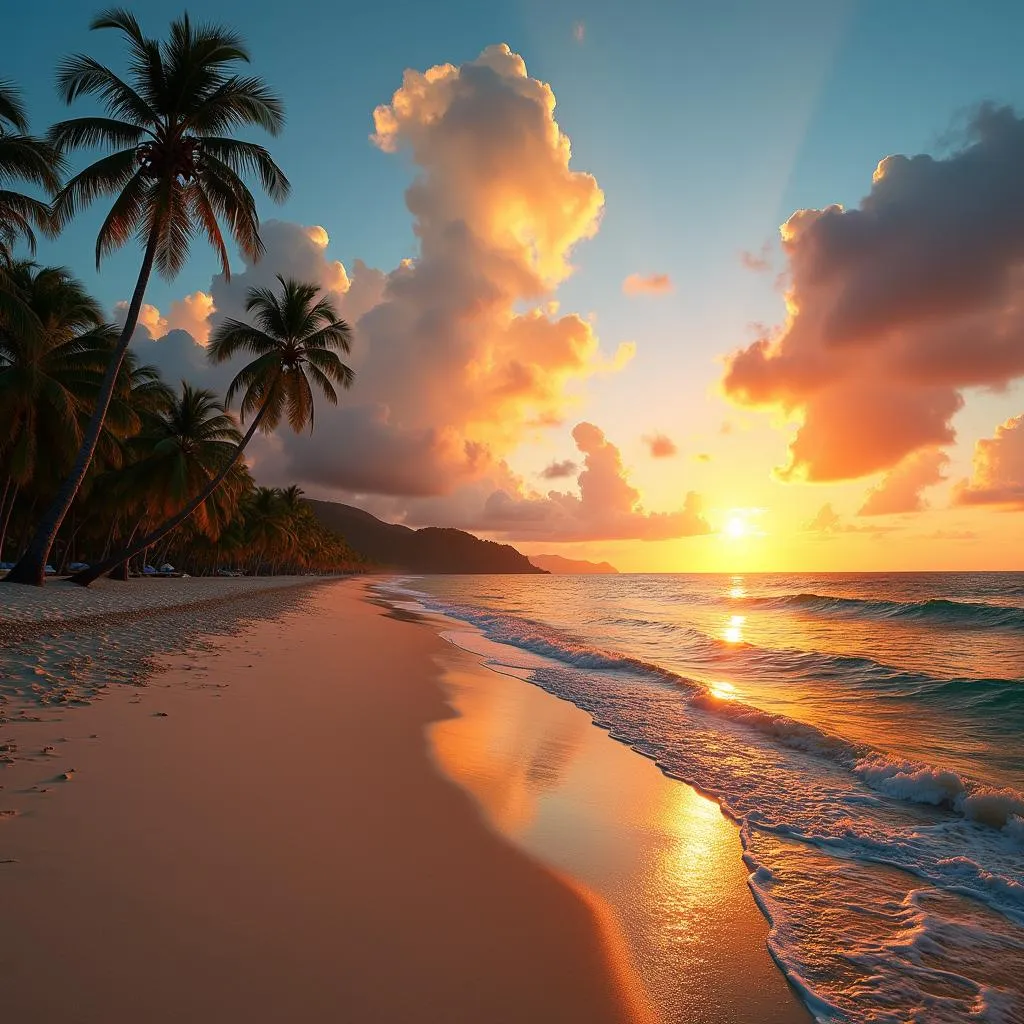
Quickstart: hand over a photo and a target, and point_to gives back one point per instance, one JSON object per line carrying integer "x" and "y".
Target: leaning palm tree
{"x": 173, "y": 170}
{"x": 48, "y": 378}
{"x": 295, "y": 338}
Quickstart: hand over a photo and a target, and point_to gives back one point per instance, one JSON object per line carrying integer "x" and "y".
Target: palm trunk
{"x": 32, "y": 564}
{"x": 86, "y": 576}
{"x": 10, "y": 497}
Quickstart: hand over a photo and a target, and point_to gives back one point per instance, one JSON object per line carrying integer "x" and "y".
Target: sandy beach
{"x": 259, "y": 834}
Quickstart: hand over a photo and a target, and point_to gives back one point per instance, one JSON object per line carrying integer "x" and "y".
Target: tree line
{"x": 100, "y": 459}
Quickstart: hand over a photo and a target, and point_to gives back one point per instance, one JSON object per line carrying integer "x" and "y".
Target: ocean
{"x": 864, "y": 731}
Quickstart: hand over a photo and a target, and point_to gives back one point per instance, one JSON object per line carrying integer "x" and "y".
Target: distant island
{"x": 429, "y": 550}
{"x": 560, "y": 566}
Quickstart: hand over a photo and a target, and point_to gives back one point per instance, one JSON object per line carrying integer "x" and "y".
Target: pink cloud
{"x": 649, "y": 284}
{"x": 900, "y": 489}
{"x": 896, "y": 307}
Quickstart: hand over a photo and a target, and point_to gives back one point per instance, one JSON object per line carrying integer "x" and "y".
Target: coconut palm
{"x": 47, "y": 378}
{"x": 295, "y": 338}
{"x": 23, "y": 158}
{"x": 186, "y": 446}
{"x": 173, "y": 170}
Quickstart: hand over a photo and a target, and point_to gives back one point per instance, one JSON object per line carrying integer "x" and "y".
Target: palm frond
{"x": 12, "y": 107}
{"x": 88, "y": 132}
{"x": 81, "y": 75}
{"x": 248, "y": 157}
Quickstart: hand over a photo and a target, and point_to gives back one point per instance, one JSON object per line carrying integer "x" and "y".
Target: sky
{"x": 722, "y": 286}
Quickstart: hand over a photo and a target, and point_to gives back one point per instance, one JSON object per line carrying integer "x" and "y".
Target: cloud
{"x": 559, "y": 470}
{"x": 949, "y": 535}
{"x": 460, "y": 353}
{"x": 607, "y": 507}
{"x": 827, "y": 523}
{"x": 896, "y": 307}
{"x": 758, "y": 262}
{"x": 660, "y": 446}
{"x": 189, "y": 314}
{"x": 998, "y": 473}
{"x": 649, "y": 284}
{"x": 579, "y": 31}
{"x": 900, "y": 489}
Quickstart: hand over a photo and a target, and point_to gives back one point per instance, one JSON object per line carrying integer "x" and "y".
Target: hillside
{"x": 572, "y": 566}
{"x": 430, "y": 550}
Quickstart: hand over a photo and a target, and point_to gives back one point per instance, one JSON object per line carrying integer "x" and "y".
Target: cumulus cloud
{"x": 191, "y": 314}
{"x": 460, "y": 353}
{"x": 900, "y": 489}
{"x": 896, "y": 307}
{"x": 607, "y": 507}
{"x": 559, "y": 470}
{"x": 998, "y": 471}
{"x": 647, "y": 284}
{"x": 660, "y": 446}
{"x": 827, "y": 523}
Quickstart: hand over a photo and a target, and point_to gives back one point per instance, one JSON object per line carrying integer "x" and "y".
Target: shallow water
{"x": 865, "y": 732}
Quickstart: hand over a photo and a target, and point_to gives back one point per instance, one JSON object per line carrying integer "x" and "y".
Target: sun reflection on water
{"x": 723, "y": 690}
{"x": 734, "y": 631}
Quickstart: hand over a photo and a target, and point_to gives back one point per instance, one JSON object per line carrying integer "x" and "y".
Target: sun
{"x": 735, "y": 527}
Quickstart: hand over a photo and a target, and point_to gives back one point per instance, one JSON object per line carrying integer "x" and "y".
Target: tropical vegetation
{"x": 101, "y": 461}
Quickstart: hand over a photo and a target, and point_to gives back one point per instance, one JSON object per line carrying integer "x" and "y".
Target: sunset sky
{"x": 618, "y": 354}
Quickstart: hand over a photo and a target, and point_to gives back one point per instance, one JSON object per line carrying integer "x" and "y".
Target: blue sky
{"x": 706, "y": 124}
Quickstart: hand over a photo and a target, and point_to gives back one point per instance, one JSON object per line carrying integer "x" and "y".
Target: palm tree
{"x": 295, "y": 338}
{"x": 186, "y": 446}
{"x": 173, "y": 170}
{"x": 47, "y": 378}
{"x": 22, "y": 158}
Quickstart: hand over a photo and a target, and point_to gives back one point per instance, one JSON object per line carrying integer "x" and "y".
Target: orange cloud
{"x": 900, "y": 489}
{"x": 660, "y": 446}
{"x": 460, "y": 352}
{"x": 650, "y": 284}
{"x": 827, "y": 523}
{"x": 559, "y": 470}
{"x": 190, "y": 314}
{"x": 998, "y": 476}
{"x": 896, "y": 307}
{"x": 607, "y": 508}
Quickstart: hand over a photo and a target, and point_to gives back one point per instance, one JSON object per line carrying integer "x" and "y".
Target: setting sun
{"x": 735, "y": 527}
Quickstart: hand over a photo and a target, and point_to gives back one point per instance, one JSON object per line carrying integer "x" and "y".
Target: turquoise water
{"x": 866, "y": 733}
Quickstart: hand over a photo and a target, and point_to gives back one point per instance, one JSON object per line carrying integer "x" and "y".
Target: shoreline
{"x": 663, "y": 857}
{"x": 259, "y": 833}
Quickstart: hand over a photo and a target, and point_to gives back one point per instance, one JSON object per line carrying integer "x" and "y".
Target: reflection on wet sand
{"x": 663, "y": 857}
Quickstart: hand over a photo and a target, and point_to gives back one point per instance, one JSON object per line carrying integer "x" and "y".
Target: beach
{"x": 265, "y": 824}
{"x": 258, "y": 834}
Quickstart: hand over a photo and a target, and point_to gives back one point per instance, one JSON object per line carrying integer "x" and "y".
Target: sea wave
{"x": 893, "y": 776}
{"x": 935, "y": 611}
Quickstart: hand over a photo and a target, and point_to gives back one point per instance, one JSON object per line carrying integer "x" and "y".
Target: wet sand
{"x": 260, "y": 833}
{"x": 664, "y": 859}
